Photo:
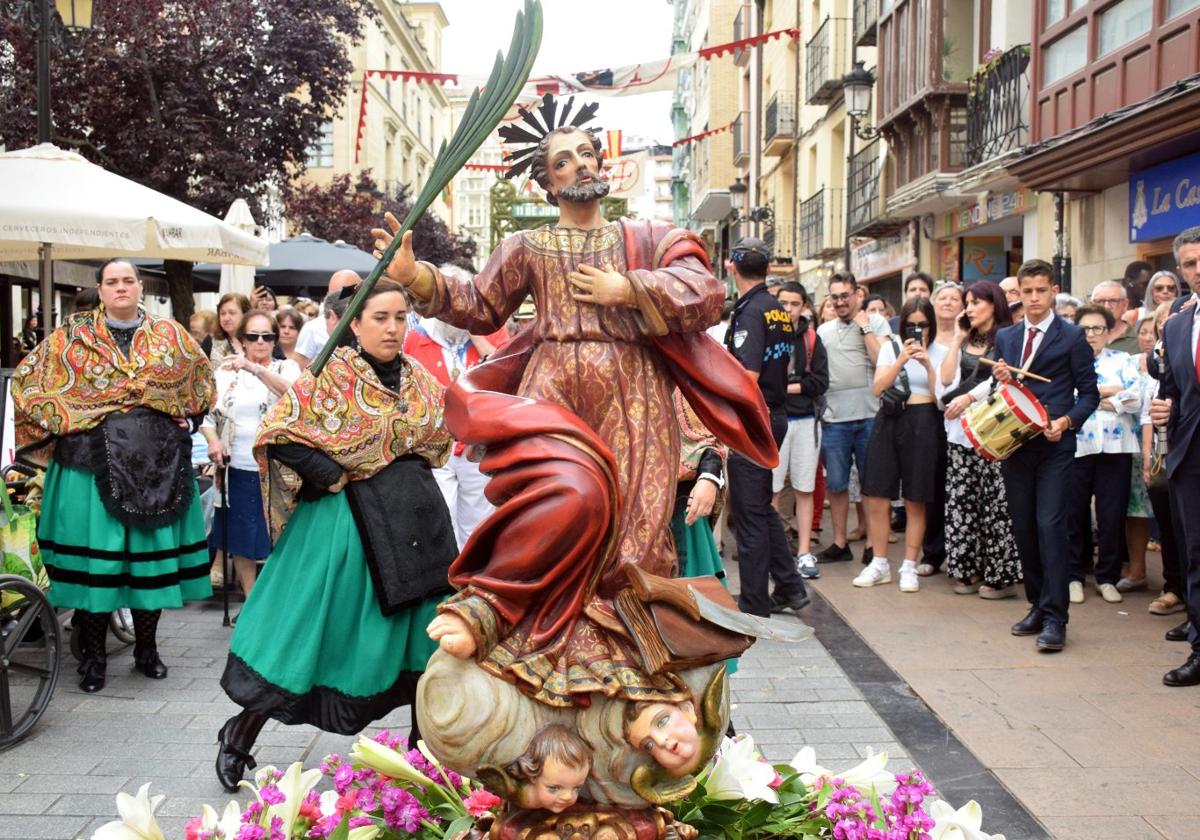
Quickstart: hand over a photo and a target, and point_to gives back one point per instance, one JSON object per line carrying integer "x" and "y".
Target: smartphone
{"x": 914, "y": 331}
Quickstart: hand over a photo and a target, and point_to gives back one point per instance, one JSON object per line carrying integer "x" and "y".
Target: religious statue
{"x": 572, "y": 656}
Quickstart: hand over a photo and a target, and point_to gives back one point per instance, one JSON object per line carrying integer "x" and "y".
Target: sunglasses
{"x": 1170, "y": 287}
{"x": 261, "y": 336}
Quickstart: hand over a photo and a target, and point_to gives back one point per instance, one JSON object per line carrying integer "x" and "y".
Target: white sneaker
{"x": 1075, "y": 590}
{"x": 1109, "y": 593}
{"x": 806, "y": 565}
{"x": 876, "y": 573}
{"x": 909, "y": 582}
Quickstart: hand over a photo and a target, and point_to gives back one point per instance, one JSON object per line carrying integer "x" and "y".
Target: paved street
{"x": 1089, "y": 740}
{"x": 62, "y": 781}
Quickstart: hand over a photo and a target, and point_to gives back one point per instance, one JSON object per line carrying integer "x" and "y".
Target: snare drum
{"x": 1000, "y": 424}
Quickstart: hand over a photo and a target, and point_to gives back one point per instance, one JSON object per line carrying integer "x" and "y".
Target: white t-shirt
{"x": 918, "y": 376}
{"x": 312, "y": 338}
{"x": 244, "y": 399}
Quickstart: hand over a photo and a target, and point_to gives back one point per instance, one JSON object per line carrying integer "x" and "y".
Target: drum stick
{"x": 1017, "y": 370}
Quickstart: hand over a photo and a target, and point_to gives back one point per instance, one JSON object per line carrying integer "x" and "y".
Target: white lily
{"x": 383, "y": 759}
{"x": 739, "y": 772}
{"x": 295, "y": 785}
{"x": 870, "y": 773}
{"x": 328, "y": 803}
{"x": 964, "y": 824}
{"x": 364, "y": 832}
{"x": 137, "y": 818}
{"x": 228, "y": 823}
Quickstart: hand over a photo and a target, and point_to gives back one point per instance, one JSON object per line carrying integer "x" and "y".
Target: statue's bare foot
{"x": 453, "y": 635}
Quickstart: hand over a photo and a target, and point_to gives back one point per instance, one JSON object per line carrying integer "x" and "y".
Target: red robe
{"x": 582, "y": 443}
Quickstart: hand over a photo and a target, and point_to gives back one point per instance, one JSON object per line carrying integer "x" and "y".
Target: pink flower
{"x": 776, "y": 782}
{"x": 481, "y": 802}
{"x": 193, "y": 828}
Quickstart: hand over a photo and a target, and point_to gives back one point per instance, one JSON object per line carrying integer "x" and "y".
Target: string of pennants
{"x": 695, "y": 137}
{"x": 648, "y": 77}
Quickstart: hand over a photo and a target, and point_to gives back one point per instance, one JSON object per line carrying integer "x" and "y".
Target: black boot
{"x": 237, "y": 738}
{"x": 93, "y": 633}
{"x": 145, "y": 646}
{"x": 92, "y": 671}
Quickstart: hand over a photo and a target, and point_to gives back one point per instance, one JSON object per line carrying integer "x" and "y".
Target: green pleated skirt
{"x": 99, "y": 564}
{"x": 311, "y": 644}
{"x": 698, "y": 554}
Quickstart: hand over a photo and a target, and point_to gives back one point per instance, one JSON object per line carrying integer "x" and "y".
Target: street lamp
{"x": 857, "y": 86}
{"x": 76, "y": 14}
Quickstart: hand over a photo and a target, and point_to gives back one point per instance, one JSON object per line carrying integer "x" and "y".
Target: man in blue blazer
{"x": 1036, "y": 475}
{"x": 1178, "y": 408}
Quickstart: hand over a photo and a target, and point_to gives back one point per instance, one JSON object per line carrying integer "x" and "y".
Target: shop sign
{"x": 872, "y": 258}
{"x": 995, "y": 206}
{"x": 983, "y": 258}
{"x": 1164, "y": 199}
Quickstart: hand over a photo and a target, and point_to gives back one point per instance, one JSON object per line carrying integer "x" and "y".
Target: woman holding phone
{"x": 902, "y": 452}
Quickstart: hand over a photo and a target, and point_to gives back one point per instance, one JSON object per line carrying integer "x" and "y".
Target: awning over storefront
{"x": 1103, "y": 152}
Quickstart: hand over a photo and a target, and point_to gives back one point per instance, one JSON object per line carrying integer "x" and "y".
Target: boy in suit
{"x": 1037, "y": 475}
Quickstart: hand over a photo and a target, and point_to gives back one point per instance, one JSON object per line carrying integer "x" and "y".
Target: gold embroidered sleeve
{"x": 481, "y": 304}
{"x": 482, "y": 621}
{"x": 680, "y": 297}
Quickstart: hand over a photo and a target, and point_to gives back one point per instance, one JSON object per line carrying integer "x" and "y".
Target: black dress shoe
{"x": 788, "y": 603}
{"x": 231, "y": 761}
{"x": 151, "y": 665}
{"x": 1053, "y": 637}
{"x": 1030, "y": 624}
{"x": 1178, "y": 633}
{"x": 92, "y": 671}
{"x": 835, "y": 554}
{"x": 1186, "y": 674}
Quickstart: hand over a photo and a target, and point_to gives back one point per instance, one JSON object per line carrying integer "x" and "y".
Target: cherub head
{"x": 666, "y": 732}
{"x": 552, "y": 769}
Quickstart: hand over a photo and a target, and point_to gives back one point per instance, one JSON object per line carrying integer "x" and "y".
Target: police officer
{"x": 760, "y": 336}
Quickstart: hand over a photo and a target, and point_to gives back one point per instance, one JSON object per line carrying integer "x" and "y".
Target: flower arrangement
{"x": 383, "y": 792}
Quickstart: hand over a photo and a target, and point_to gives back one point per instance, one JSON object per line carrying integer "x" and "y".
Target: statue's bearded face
{"x": 575, "y": 171}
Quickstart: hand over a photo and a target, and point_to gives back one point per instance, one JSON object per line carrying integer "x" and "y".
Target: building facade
{"x": 706, "y": 98}
{"x": 405, "y": 121}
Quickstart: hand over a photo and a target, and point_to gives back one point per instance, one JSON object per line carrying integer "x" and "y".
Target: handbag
{"x": 18, "y": 543}
{"x": 895, "y": 398}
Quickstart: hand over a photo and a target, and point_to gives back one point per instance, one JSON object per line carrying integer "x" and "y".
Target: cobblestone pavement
{"x": 62, "y": 781}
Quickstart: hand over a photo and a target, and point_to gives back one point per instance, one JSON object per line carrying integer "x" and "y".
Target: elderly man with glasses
{"x": 1112, "y": 296}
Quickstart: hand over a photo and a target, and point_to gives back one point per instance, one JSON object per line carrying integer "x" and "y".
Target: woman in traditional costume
{"x": 333, "y": 634}
{"x": 108, "y": 401}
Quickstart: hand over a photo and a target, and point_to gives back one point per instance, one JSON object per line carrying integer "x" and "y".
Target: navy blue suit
{"x": 1178, "y": 383}
{"x": 1037, "y": 475}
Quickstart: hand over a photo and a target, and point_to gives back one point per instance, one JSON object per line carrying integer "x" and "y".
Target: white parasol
{"x": 57, "y": 205}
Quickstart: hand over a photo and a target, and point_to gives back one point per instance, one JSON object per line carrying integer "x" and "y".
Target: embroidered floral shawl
{"x": 350, "y": 416}
{"x": 78, "y": 376}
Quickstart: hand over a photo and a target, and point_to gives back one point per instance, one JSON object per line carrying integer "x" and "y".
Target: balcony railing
{"x": 820, "y": 225}
{"x": 741, "y": 29}
{"x": 825, "y": 62}
{"x": 864, "y": 188}
{"x": 866, "y": 14}
{"x": 781, "y": 237}
{"x": 779, "y": 128}
{"x": 741, "y": 139}
{"x": 997, "y": 107}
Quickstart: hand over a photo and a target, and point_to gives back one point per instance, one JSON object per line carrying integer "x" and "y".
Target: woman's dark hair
{"x": 289, "y": 314}
{"x": 383, "y": 287}
{"x": 1001, "y": 315}
{"x": 539, "y": 166}
{"x": 1110, "y": 320}
{"x": 925, "y": 307}
{"x": 243, "y": 303}
{"x": 251, "y": 315}
{"x": 100, "y": 268}
{"x": 872, "y": 298}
